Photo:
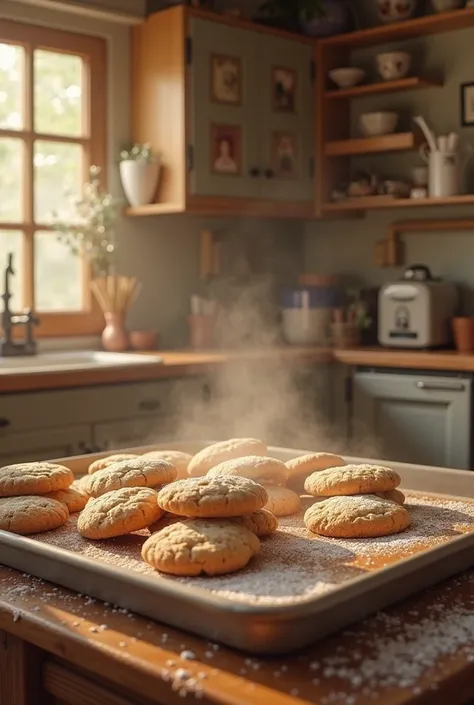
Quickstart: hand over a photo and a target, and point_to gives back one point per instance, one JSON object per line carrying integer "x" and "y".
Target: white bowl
{"x": 393, "y": 65}
{"x": 347, "y": 77}
{"x": 375, "y": 124}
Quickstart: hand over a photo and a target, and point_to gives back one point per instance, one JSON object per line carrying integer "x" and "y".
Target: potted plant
{"x": 139, "y": 172}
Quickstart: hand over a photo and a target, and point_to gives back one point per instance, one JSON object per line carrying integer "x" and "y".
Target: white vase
{"x": 139, "y": 180}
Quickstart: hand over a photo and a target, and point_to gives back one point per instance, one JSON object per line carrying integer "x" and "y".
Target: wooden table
{"x": 58, "y": 648}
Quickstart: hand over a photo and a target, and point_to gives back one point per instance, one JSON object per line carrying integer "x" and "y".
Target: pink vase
{"x": 115, "y": 336}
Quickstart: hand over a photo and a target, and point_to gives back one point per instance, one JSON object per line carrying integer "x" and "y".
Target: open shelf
{"x": 380, "y": 202}
{"x": 397, "y": 142}
{"x": 403, "y": 84}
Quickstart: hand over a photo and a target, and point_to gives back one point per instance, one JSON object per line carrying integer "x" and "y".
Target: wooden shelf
{"x": 154, "y": 209}
{"x": 403, "y": 84}
{"x": 399, "y": 31}
{"x": 397, "y": 142}
{"x": 380, "y": 202}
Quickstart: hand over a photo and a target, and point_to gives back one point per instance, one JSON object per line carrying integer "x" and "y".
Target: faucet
{"x": 8, "y": 348}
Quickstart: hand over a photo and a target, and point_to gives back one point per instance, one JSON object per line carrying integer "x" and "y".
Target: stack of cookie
{"x": 358, "y": 501}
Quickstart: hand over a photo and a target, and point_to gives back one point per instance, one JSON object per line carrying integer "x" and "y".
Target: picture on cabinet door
{"x": 226, "y": 152}
{"x": 284, "y": 90}
{"x": 284, "y": 155}
{"x": 226, "y": 79}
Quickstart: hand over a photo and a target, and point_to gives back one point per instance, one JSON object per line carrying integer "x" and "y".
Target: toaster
{"x": 415, "y": 312}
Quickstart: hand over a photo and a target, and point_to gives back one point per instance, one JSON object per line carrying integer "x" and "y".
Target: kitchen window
{"x": 52, "y": 129}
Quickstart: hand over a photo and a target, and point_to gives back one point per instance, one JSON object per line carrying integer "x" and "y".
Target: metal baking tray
{"x": 257, "y": 629}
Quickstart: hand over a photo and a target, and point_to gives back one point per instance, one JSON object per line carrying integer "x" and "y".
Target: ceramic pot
{"x": 337, "y": 19}
{"x": 446, "y": 5}
{"x": 463, "y": 329}
{"x": 139, "y": 180}
{"x": 115, "y": 337}
{"x": 396, "y": 10}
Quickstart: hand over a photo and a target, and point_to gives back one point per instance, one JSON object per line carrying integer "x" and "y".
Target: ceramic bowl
{"x": 143, "y": 340}
{"x": 396, "y": 10}
{"x": 393, "y": 65}
{"x": 347, "y": 77}
{"x": 375, "y": 124}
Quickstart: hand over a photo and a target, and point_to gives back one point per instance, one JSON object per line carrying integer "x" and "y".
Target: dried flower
{"x": 137, "y": 152}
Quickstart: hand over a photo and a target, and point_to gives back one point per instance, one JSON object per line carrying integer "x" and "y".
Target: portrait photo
{"x": 226, "y": 155}
{"x": 284, "y": 155}
{"x": 226, "y": 79}
{"x": 284, "y": 90}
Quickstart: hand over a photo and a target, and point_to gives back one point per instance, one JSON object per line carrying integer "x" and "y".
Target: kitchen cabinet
{"x": 132, "y": 432}
{"x": 229, "y": 107}
{"x": 44, "y": 444}
{"x": 415, "y": 418}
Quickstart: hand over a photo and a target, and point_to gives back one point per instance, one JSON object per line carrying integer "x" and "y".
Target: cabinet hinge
{"x": 189, "y": 51}
{"x": 348, "y": 390}
{"x": 312, "y": 70}
{"x": 190, "y": 157}
{"x": 311, "y": 168}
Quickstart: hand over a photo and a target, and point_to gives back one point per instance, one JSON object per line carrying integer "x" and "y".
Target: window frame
{"x": 93, "y": 51}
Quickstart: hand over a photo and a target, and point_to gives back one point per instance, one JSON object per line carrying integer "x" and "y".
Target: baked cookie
{"x": 261, "y": 523}
{"x": 74, "y": 498}
{"x": 218, "y": 497}
{"x": 31, "y": 515}
{"x": 33, "y": 479}
{"x": 299, "y": 468}
{"x": 259, "y": 468}
{"x": 103, "y": 463}
{"x": 134, "y": 472}
{"x": 175, "y": 457}
{"x": 224, "y": 450}
{"x": 199, "y": 546}
{"x": 352, "y": 479}
{"x": 357, "y": 516}
{"x": 118, "y": 513}
{"x": 282, "y": 502}
{"x": 396, "y": 496}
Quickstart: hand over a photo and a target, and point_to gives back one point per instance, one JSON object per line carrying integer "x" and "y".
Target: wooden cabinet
{"x": 44, "y": 444}
{"x": 230, "y": 108}
{"x": 131, "y": 432}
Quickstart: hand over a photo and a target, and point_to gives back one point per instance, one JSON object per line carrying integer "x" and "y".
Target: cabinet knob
{"x": 4, "y": 423}
{"x": 269, "y": 173}
{"x": 255, "y": 171}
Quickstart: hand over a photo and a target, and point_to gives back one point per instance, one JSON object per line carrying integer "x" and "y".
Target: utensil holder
{"x": 444, "y": 173}
{"x": 201, "y": 332}
{"x": 463, "y": 330}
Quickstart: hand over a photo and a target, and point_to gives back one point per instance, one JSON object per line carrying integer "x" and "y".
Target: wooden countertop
{"x": 448, "y": 360}
{"x": 140, "y": 657}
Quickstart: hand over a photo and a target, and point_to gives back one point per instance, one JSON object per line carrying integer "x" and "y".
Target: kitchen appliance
{"x": 415, "y": 311}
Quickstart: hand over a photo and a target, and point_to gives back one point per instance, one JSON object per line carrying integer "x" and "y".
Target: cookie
{"x": 199, "y": 546}
{"x": 393, "y": 495}
{"x": 218, "y": 497}
{"x": 261, "y": 523}
{"x": 134, "y": 472}
{"x": 259, "y": 468}
{"x": 74, "y": 498}
{"x": 118, "y": 513}
{"x": 352, "y": 479}
{"x": 224, "y": 450}
{"x": 175, "y": 457}
{"x": 33, "y": 479}
{"x": 31, "y": 515}
{"x": 356, "y": 516}
{"x": 282, "y": 502}
{"x": 103, "y": 463}
{"x": 299, "y": 468}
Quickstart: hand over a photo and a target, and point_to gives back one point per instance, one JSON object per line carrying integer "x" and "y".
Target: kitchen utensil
{"x": 346, "y": 77}
{"x": 429, "y": 136}
{"x": 396, "y": 10}
{"x": 378, "y": 123}
{"x": 453, "y": 142}
{"x": 442, "y": 143}
{"x": 393, "y": 65}
{"x": 201, "y": 332}
{"x": 444, "y": 173}
{"x": 463, "y": 330}
{"x": 419, "y": 175}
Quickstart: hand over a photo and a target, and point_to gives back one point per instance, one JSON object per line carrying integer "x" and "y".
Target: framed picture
{"x": 226, "y": 79}
{"x": 226, "y": 150}
{"x": 467, "y": 104}
{"x": 284, "y": 90}
{"x": 284, "y": 155}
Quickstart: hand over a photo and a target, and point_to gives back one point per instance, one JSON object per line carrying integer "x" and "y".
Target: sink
{"x": 75, "y": 360}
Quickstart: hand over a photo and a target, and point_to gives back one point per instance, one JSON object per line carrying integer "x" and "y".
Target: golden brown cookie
{"x": 119, "y": 512}
{"x": 200, "y": 546}
{"x": 207, "y": 497}
{"x": 261, "y": 523}
{"x": 33, "y": 479}
{"x": 299, "y": 468}
{"x": 396, "y": 496}
{"x": 134, "y": 472}
{"x": 175, "y": 457}
{"x": 103, "y": 463}
{"x": 224, "y": 450}
{"x": 356, "y": 516}
{"x": 352, "y": 479}
{"x": 31, "y": 515}
{"x": 74, "y": 498}
{"x": 282, "y": 502}
{"x": 259, "y": 468}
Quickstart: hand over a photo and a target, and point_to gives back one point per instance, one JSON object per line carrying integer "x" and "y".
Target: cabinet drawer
{"x": 130, "y": 433}
{"x": 45, "y": 444}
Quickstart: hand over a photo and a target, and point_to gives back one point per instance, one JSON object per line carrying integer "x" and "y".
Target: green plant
{"x": 137, "y": 152}
{"x": 293, "y": 10}
{"x": 87, "y": 227}
{"x": 357, "y": 310}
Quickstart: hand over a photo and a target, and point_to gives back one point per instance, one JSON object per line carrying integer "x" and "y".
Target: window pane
{"x": 11, "y": 84}
{"x": 58, "y": 93}
{"x": 58, "y": 275}
{"x": 11, "y": 168}
{"x": 58, "y": 171}
{"x": 12, "y": 241}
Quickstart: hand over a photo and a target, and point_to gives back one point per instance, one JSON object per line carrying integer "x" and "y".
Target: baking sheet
{"x": 275, "y": 621}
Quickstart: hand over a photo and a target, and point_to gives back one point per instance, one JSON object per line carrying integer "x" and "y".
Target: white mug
{"x": 444, "y": 173}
